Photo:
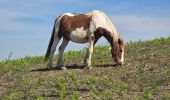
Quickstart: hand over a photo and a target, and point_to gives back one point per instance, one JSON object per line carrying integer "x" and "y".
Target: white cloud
{"x": 7, "y": 22}
{"x": 133, "y": 28}
{"x": 142, "y": 24}
{"x": 19, "y": 16}
{"x": 19, "y": 24}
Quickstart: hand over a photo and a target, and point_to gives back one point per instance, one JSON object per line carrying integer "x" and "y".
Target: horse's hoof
{"x": 62, "y": 68}
{"x": 88, "y": 67}
{"x": 50, "y": 68}
{"x": 118, "y": 64}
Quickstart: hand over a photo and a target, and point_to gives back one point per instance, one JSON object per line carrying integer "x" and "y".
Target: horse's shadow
{"x": 75, "y": 66}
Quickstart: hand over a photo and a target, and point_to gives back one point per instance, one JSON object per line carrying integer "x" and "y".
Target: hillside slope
{"x": 145, "y": 75}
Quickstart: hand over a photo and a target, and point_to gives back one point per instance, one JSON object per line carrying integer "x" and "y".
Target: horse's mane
{"x": 104, "y": 23}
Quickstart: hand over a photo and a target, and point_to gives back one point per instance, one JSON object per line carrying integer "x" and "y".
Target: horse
{"x": 84, "y": 28}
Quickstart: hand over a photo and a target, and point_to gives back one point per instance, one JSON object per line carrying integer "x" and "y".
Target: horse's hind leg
{"x": 61, "y": 51}
{"x": 53, "y": 48}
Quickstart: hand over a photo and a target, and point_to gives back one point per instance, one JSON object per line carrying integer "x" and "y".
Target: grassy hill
{"x": 145, "y": 75}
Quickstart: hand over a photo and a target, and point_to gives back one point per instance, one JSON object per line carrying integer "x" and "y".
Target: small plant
{"x": 53, "y": 81}
{"x": 40, "y": 98}
{"x": 75, "y": 95}
{"x": 61, "y": 87}
{"x": 104, "y": 79}
{"x": 13, "y": 96}
{"x": 91, "y": 80}
{"x": 95, "y": 93}
{"x": 10, "y": 55}
{"x": 107, "y": 95}
{"x": 124, "y": 86}
{"x": 166, "y": 96}
{"x": 74, "y": 80}
{"x": 147, "y": 94}
{"x": 137, "y": 97}
{"x": 39, "y": 81}
{"x": 26, "y": 87}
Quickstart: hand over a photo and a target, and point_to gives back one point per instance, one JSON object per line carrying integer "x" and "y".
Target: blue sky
{"x": 25, "y": 25}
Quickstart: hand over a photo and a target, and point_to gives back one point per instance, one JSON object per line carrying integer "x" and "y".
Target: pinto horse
{"x": 84, "y": 28}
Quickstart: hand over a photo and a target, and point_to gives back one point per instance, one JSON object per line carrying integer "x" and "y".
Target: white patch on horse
{"x": 69, "y": 14}
{"x": 79, "y": 35}
{"x": 122, "y": 57}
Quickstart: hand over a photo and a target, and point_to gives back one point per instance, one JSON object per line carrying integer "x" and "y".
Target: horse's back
{"x": 76, "y": 21}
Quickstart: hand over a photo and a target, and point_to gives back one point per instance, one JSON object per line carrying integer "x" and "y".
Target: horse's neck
{"x": 109, "y": 38}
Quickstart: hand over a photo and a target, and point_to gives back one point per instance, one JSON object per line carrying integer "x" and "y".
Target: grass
{"x": 145, "y": 75}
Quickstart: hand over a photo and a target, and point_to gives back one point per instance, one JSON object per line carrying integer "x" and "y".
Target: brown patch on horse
{"x": 70, "y": 23}
{"x": 103, "y": 32}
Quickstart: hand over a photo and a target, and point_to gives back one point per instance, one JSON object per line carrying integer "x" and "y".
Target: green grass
{"x": 145, "y": 75}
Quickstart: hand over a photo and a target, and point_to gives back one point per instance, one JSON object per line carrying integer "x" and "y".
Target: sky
{"x": 26, "y": 25}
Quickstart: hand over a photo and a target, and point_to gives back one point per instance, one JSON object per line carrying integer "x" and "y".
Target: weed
{"x": 26, "y": 88}
{"x": 61, "y": 87}
{"x": 107, "y": 95}
{"x": 10, "y": 55}
{"x": 40, "y": 98}
{"x": 95, "y": 94}
{"x": 13, "y": 96}
{"x": 74, "y": 80}
{"x": 104, "y": 79}
{"x": 138, "y": 97}
{"x": 53, "y": 81}
{"x": 166, "y": 96}
{"x": 123, "y": 86}
{"x": 75, "y": 95}
{"x": 91, "y": 80}
{"x": 147, "y": 94}
{"x": 39, "y": 81}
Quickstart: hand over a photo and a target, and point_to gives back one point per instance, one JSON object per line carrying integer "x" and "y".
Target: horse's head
{"x": 117, "y": 51}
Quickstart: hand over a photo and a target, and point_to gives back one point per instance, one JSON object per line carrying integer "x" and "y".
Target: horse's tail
{"x": 49, "y": 45}
{"x": 57, "y": 22}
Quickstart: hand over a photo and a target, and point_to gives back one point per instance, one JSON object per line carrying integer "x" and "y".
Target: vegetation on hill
{"x": 145, "y": 75}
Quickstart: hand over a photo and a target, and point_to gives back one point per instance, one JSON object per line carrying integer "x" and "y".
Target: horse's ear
{"x": 121, "y": 43}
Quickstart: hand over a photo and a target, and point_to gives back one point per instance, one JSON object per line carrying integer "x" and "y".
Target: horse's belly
{"x": 79, "y": 35}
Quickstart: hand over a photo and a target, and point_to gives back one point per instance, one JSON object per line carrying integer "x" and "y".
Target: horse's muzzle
{"x": 119, "y": 64}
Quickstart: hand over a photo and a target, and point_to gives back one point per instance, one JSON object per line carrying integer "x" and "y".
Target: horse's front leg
{"x": 89, "y": 52}
{"x": 61, "y": 51}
